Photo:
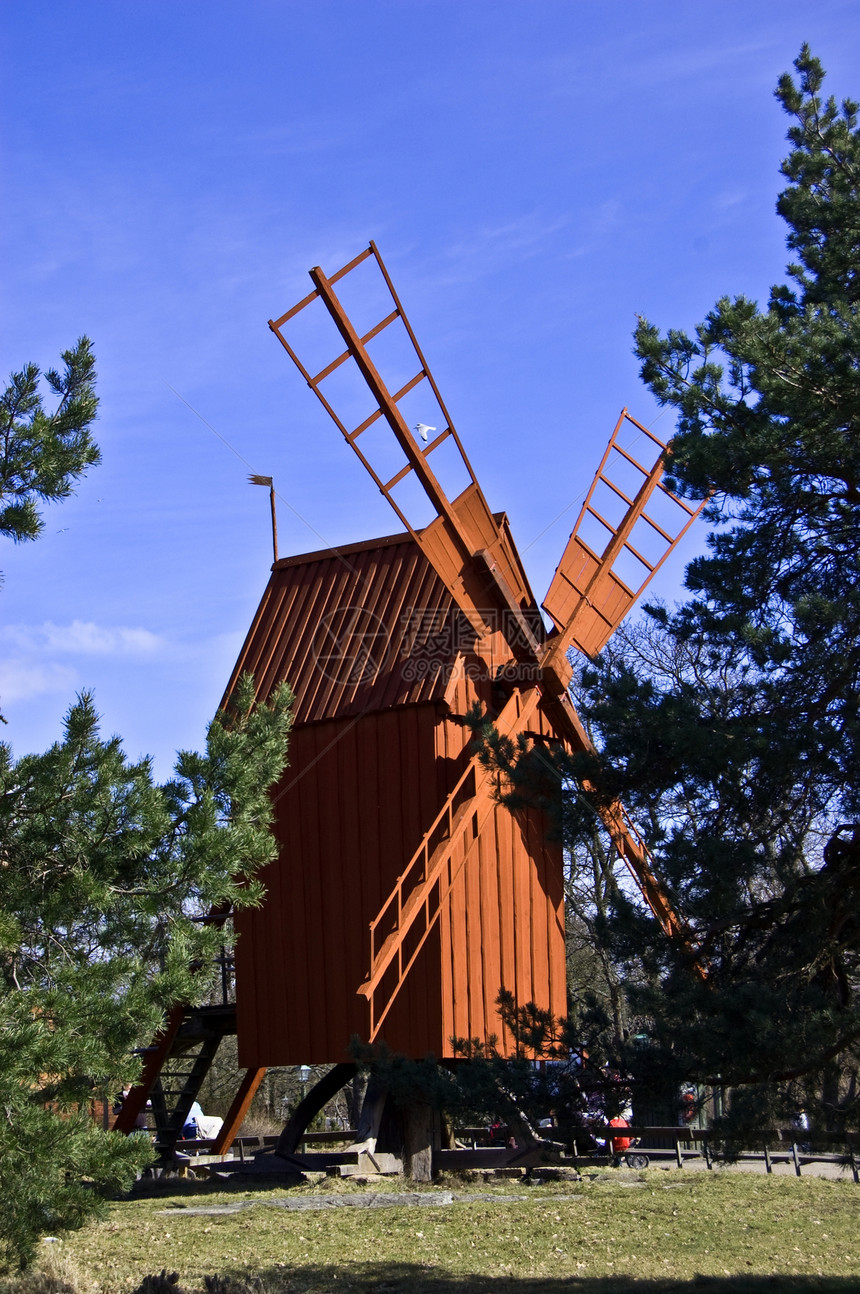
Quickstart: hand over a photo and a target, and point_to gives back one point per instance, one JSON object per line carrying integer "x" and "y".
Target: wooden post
{"x": 418, "y": 1129}
{"x": 447, "y": 1139}
{"x": 236, "y": 1114}
{"x": 274, "y": 522}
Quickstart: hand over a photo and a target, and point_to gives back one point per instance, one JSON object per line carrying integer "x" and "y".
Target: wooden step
{"x": 482, "y": 1157}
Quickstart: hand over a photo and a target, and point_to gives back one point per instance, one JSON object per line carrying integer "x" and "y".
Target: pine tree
{"x": 733, "y": 737}
{"x": 41, "y": 453}
{"x": 103, "y": 876}
{"x": 768, "y": 405}
{"x": 729, "y": 727}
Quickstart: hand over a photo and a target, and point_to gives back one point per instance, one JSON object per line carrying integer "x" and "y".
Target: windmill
{"x": 405, "y": 895}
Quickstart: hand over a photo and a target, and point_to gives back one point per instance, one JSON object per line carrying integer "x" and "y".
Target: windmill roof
{"x": 354, "y": 629}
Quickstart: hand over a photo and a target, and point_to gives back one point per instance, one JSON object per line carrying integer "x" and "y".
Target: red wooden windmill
{"x": 386, "y": 820}
{"x": 405, "y": 895}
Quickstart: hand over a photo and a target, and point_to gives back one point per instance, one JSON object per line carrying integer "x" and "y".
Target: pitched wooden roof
{"x": 364, "y": 627}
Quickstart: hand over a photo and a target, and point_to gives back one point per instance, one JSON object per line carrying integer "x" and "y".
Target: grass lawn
{"x": 651, "y": 1231}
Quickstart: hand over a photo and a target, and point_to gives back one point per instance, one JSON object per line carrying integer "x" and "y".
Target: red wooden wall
{"x": 374, "y": 754}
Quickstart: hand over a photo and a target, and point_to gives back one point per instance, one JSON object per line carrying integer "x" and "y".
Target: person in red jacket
{"x": 620, "y": 1144}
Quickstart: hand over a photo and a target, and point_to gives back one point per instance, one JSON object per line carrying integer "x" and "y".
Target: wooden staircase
{"x": 184, "y": 1069}
{"x": 175, "y": 1066}
{"x": 404, "y": 922}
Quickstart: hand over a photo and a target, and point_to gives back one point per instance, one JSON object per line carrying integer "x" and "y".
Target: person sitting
{"x": 198, "y": 1124}
{"x": 191, "y": 1127}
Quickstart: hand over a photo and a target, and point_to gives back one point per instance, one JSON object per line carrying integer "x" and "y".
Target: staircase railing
{"x": 469, "y": 804}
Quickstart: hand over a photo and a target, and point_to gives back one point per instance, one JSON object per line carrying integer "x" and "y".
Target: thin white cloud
{"x": 731, "y": 198}
{"x": 20, "y": 680}
{"x": 490, "y": 246}
{"x": 82, "y": 638}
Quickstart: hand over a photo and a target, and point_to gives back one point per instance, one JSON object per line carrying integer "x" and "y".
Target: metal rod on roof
{"x": 267, "y": 480}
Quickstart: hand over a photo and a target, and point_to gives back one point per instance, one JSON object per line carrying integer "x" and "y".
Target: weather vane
{"x": 267, "y": 480}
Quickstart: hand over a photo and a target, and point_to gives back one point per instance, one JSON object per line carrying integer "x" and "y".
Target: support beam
{"x": 239, "y": 1108}
{"x": 318, "y": 1097}
{"x": 155, "y": 1056}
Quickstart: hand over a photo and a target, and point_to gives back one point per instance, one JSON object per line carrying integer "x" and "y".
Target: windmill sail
{"x": 627, "y": 527}
{"x": 376, "y": 385}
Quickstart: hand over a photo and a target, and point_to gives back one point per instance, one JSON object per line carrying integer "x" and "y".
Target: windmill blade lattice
{"x": 627, "y": 527}
{"x": 373, "y": 380}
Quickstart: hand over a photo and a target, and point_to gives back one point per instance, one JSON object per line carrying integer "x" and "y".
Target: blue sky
{"x": 534, "y": 174}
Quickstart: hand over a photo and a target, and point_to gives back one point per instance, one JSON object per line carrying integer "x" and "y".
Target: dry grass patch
{"x": 723, "y": 1231}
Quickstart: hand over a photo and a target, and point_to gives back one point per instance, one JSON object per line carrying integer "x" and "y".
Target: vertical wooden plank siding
{"x": 372, "y": 761}
{"x": 491, "y": 964}
{"x": 457, "y": 918}
{"x": 327, "y": 911}
{"x": 301, "y": 957}
{"x": 507, "y": 920}
{"x": 353, "y": 862}
{"x": 490, "y": 942}
{"x": 537, "y": 908}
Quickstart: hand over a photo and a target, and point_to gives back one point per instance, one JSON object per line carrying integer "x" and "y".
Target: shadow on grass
{"x": 411, "y": 1278}
{"x": 154, "y": 1188}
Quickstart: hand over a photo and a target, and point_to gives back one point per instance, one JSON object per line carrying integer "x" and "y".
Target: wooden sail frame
{"x": 587, "y": 598}
{"x": 463, "y": 542}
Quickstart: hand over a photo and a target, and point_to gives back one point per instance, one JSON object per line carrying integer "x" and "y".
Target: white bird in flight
{"x": 422, "y": 429}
